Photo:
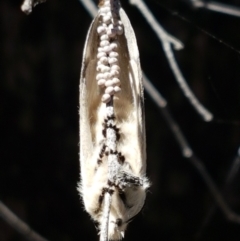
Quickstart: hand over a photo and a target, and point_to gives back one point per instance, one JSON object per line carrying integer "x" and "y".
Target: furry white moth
{"x": 112, "y": 124}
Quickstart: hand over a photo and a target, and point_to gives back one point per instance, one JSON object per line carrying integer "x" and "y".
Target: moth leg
{"x": 101, "y": 197}
{"x": 101, "y": 154}
{"x": 125, "y": 179}
{"x": 121, "y": 158}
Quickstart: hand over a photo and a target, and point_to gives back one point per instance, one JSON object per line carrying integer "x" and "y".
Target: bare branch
{"x": 207, "y": 116}
{"x": 90, "y": 7}
{"x": 217, "y": 7}
{"x": 230, "y": 176}
{"x": 162, "y": 104}
{"x": 155, "y": 95}
{"x": 189, "y": 154}
{"x": 161, "y": 33}
{"x": 7, "y": 215}
{"x": 234, "y": 168}
{"x": 28, "y": 5}
{"x": 105, "y": 217}
{"x": 113, "y": 169}
{"x": 167, "y": 40}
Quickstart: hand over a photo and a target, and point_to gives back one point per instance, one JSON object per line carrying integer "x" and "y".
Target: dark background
{"x": 40, "y": 59}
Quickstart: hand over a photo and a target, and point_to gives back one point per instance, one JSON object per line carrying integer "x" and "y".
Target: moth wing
{"x": 88, "y": 101}
{"x": 136, "y": 85}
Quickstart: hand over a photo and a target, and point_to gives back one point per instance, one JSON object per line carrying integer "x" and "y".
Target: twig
{"x": 183, "y": 84}
{"x": 90, "y": 7}
{"x": 105, "y": 217}
{"x": 113, "y": 169}
{"x": 217, "y": 7}
{"x": 189, "y": 154}
{"x": 161, "y": 33}
{"x": 234, "y": 168}
{"x": 28, "y": 5}
{"x": 162, "y": 104}
{"x": 155, "y": 95}
{"x": 113, "y": 166}
{"x": 7, "y": 215}
{"x": 167, "y": 40}
{"x": 230, "y": 176}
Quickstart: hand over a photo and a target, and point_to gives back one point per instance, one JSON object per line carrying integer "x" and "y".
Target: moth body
{"x": 112, "y": 140}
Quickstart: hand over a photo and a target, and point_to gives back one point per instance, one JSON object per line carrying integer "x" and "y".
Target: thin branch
{"x": 90, "y": 7}
{"x": 8, "y": 216}
{"x": 189, "y": 154}
{"x": 28, "y": 5}
{"x": 167, "y": 40}
{"x": 155, "y": 95}
{"x": 111, "y": 140}
{"x": 159, "y": 30}
{"x": 229, "y": 214}
{"x": 234, "y": 168}
{"x": 183, "y": 84}
{"x": 105, "y": 217}
{"x": 113, "y": 168}
{"x": 217, "y": 7}
{"x": 230, "y": 176}
{"x": 162, "y": 104}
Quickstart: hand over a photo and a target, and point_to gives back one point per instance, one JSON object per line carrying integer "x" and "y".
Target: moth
{"x": 129, "y": 183}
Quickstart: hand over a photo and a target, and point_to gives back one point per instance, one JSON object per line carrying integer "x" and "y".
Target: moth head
{"x": 130, "y": 204}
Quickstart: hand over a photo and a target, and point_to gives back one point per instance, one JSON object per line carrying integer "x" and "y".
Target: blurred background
{"x": 40, "y": 59}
